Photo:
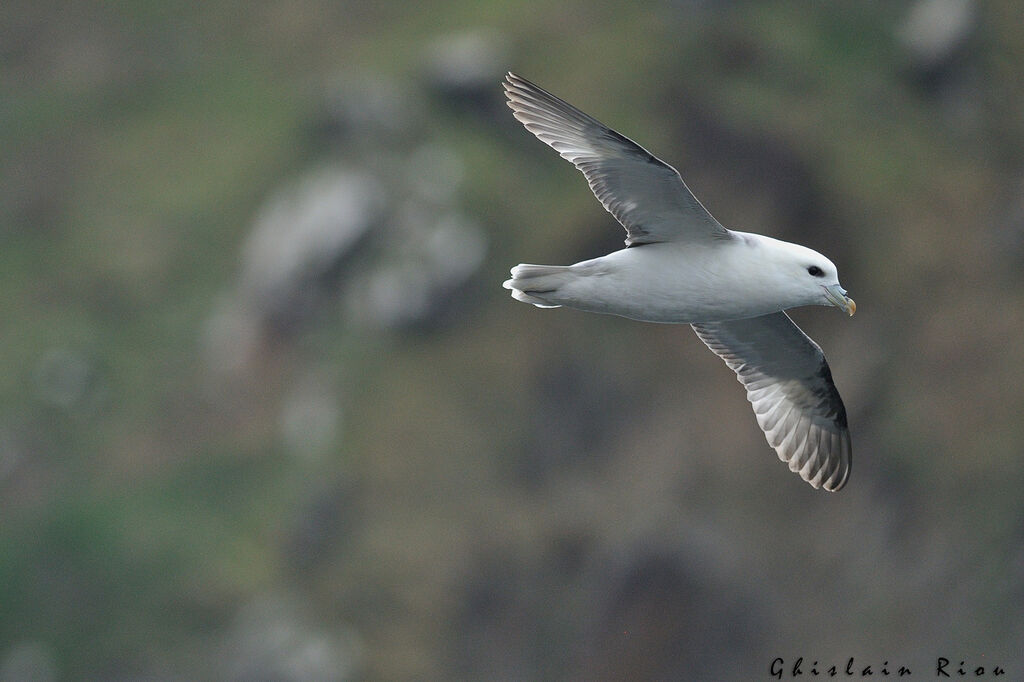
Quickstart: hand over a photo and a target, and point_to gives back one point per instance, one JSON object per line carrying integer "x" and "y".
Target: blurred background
{"x": 267, "y": 413}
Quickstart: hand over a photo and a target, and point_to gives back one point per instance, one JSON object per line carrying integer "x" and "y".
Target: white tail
{"x": 537, "y": 284}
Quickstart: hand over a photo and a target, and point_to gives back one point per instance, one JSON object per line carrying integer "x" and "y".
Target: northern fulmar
{"x": 681, "y": 266}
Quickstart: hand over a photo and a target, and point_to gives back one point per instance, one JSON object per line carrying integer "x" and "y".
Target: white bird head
{"x": 800, "y": 274}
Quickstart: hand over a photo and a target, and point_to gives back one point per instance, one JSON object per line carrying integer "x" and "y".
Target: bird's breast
{"x": 670, "y": 283}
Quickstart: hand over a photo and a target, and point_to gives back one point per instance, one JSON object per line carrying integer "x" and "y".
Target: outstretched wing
{"x": 644, "y": 193}
{"x": 790, "y": 387}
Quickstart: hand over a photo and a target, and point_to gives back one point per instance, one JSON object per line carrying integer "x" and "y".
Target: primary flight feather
{"x": 681, "y": 266}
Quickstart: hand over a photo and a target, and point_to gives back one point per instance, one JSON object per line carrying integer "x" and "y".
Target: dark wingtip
{"x": 513, "y": 83}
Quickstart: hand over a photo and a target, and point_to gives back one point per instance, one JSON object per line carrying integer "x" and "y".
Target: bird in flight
{"x": 681, "y": 266}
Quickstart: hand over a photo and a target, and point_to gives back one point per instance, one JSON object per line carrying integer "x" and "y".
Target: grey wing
{"x": 790, "y": 387}
{"x": 644, "y": 193}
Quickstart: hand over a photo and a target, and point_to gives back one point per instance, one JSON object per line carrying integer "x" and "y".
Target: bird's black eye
{"x": 815, "y": 271}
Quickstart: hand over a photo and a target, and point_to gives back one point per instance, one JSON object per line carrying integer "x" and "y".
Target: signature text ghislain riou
{"x": 780, "y": 669}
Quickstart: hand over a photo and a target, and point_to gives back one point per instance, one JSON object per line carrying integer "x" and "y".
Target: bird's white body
{"x": 680, "y": 282}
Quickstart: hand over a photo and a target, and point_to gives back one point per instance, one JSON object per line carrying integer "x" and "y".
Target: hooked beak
{"x": 836, "y": 295}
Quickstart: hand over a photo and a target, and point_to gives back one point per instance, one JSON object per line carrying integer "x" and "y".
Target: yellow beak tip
{"x": 851, "y": 306}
